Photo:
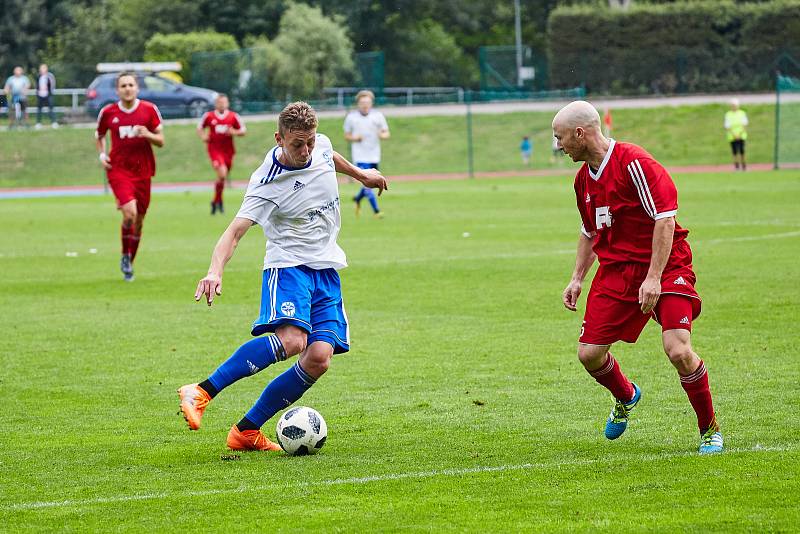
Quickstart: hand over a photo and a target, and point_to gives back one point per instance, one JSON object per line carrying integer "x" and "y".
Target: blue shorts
{"x": 309, "y": 299}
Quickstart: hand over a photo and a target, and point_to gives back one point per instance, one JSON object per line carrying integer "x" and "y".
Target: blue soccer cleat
{"x": 126, "y": 267}
{"x": 711, "y": 441}
{"x": 617, "y": 421}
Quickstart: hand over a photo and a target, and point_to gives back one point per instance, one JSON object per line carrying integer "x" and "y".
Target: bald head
{"x": 577, "y": 114}
{"x": 577, "y": 128}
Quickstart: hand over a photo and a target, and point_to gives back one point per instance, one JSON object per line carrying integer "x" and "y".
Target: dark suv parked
{"x": 173, "y": 99}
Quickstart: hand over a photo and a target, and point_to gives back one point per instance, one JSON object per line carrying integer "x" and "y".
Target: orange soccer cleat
{"x": 250, "y": 440}
{"x": 194, "y": 400}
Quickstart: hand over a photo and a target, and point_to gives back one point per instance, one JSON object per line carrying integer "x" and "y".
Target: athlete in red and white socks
{"x": 627, "y": 203}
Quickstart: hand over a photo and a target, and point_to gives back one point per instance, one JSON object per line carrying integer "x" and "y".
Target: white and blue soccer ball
{"x": 301, "y": 430}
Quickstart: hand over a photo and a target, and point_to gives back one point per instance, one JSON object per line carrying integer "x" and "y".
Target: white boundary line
{"x": 453, "y": 472}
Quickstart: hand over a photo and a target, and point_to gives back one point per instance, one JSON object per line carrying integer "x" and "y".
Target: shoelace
{"x": 199, "y": 401}
{"x": 708, "y": 437}
{"x": 620, "y": 412}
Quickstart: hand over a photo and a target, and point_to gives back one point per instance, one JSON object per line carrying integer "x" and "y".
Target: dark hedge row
{"x": 694, "y": 46}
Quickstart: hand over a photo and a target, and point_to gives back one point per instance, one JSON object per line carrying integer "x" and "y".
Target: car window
{"x": 154, "y": 83}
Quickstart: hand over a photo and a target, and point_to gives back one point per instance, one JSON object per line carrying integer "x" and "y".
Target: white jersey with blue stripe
{"x": 298, "y": 208}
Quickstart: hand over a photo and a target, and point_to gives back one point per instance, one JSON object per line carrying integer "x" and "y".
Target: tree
{"x": 312, "y": 52}
{"x": 23, "y": 26}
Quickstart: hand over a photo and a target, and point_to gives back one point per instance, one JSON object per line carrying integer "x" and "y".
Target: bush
{"x": 671, "y": 48}
{"x": 181, "y": 46}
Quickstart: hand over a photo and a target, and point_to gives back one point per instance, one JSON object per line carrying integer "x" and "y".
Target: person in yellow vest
{"x": 735, "y": 123}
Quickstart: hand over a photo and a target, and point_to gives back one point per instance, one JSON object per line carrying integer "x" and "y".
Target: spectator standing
{"x": 16, "y": 87}
{"x": 735, "y": 125}
{"x": 526, "y": 149}
{"x": 45, "y": 88}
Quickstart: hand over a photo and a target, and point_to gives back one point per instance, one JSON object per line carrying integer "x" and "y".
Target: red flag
{"x": 607, "y": 119}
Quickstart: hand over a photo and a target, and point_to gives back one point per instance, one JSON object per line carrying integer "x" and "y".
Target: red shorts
{"x": 128, "y": 186}
{"x": 220, "y": 157}
{"x": 613, "y": 312}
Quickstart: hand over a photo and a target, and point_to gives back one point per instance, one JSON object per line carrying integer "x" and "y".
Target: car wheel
{"x": 197, "y": 108}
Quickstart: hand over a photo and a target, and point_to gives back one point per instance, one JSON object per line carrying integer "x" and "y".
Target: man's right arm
{"x": 211, "y": 284}
{"x": 584, "y": 260}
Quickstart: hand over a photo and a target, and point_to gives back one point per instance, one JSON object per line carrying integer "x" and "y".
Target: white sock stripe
{"x": 696, "y": 375}
{"x": 607, "y": 368}
{"x": 305, "y": 377}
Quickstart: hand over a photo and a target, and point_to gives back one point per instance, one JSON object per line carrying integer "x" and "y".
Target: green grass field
{"x": 689, "y": 135}
{"x": 462, "y": 406}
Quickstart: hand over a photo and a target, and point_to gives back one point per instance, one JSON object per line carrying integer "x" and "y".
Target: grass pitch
{"x": 462, "y": 406}
{"x": 688, "y": 135}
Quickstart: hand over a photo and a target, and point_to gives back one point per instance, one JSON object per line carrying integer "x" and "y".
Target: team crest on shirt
{"x": 287, "y": 308}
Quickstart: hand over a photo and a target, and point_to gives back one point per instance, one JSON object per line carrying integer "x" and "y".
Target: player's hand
{"x": 209, "y": 286}
{"x": 649, "y": 292}
{"x": 571, "y": 294}
{"x": 373, "y": 178}
{"x": 105, "y": 161}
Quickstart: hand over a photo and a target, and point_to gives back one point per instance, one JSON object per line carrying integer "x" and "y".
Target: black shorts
{"x": 737, "y": 146}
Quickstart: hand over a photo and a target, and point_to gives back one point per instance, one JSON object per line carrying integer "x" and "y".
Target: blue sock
{"x": 373, "y": 200}
{"x": 248, "y": 359}
{"x": 284, "y": 389}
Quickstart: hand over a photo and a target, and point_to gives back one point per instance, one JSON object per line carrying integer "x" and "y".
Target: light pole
{"x": 518, "y": 41}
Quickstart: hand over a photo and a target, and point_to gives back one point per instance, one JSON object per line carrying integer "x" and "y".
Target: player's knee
{"x": 680, "y": 354}
{"x": 317, "y": 359}
{"x": 293, "y": 341}
{"x": 591, "y": 356}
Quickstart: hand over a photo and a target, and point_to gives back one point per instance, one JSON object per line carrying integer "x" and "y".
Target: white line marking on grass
{"x": 74, "y": 503}
{"x": 749, "y": 238}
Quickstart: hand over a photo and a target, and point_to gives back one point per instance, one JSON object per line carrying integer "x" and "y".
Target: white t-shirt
{"x": 368, "y": 126}
{"x": 298, "y": 210}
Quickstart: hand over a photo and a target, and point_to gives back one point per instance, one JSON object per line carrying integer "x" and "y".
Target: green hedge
{"x": 671, "y": 48}
{"x": 181, "y": 46}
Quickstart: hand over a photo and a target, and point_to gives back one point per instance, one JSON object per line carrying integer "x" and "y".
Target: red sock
{"x": 134, "y": 243}
{"x": 610, "y": 376}
{"x": 696, "y": 387}
{"x": 126, "y": 234}
{"x": 219, "y": 186}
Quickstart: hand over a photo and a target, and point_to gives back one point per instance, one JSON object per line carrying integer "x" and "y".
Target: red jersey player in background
{"x": 627, "y": 203}
{"x": 222, "y": 125}
{"x": 134, "y": 125}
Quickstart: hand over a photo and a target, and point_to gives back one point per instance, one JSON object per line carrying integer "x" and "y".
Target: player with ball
{"x": 294, "y": 197}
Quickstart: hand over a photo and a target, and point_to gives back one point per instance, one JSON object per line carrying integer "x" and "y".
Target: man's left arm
{"x": 650, "y": 289}
{"x": 383, "y": 132}
{"x": 368, "y": 177}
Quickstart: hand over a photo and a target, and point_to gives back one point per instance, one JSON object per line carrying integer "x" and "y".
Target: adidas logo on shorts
{"x": 685, "y": 320}
{"x": 298, "y": 186}
{"x": 679, "y": 281}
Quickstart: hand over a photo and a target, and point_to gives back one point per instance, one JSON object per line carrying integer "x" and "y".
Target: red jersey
{"x": 620, "y": 203}
{"x": 129, "y": 151}
{"x": 220, "y": 125}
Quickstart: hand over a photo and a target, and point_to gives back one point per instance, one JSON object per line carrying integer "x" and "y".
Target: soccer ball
{"x": 301, "y": 430}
